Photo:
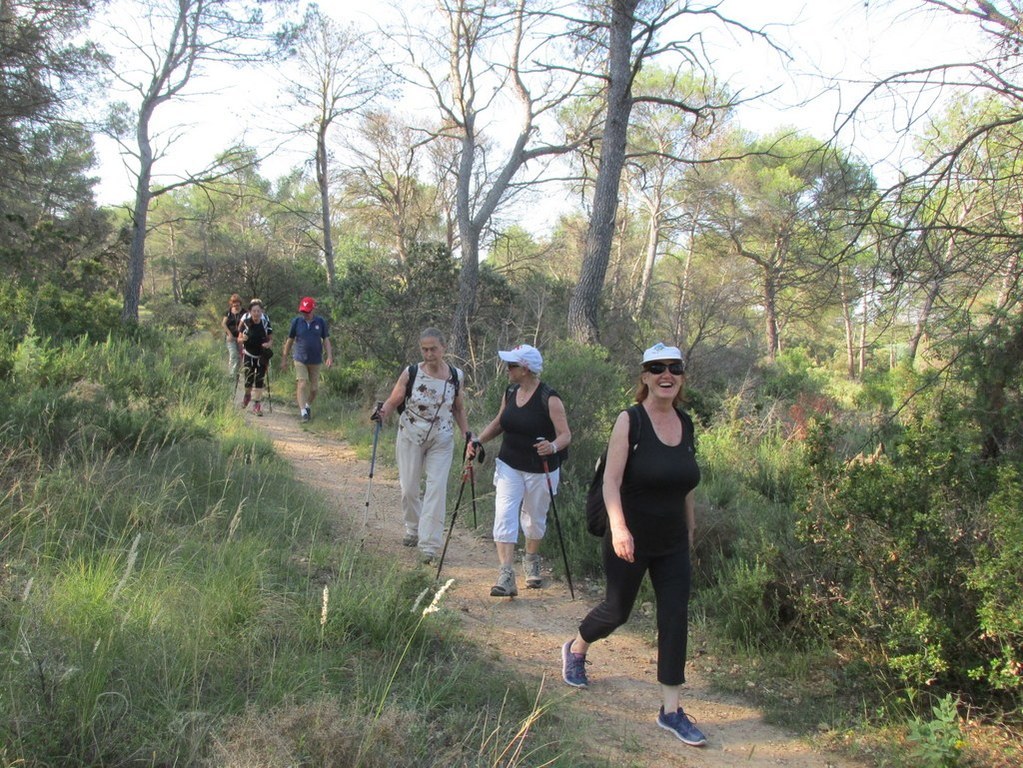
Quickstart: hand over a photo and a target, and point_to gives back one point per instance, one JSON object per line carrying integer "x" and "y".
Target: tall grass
{"x": 162, "y": 594}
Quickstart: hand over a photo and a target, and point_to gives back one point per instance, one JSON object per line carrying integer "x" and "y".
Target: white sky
{"x": 851, "y": 40}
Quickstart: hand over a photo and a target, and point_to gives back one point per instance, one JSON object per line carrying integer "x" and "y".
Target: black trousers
{"x": 255, "y": 372}
{"x": 670, "y": 576}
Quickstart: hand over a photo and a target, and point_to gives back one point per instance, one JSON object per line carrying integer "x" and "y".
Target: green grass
{"x": 162, "y": 598}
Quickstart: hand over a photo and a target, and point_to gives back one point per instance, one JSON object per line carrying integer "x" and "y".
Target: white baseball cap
{"x": 524, "y": 355}
{"x": 661, "y": 352}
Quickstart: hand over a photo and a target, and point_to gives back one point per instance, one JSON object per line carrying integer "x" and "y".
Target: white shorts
{"x": 522, "y": 497}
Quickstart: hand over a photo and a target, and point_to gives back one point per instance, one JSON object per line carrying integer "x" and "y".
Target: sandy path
{"x": 526, "y": 632}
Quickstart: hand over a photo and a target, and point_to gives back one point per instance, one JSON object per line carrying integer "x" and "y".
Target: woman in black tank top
{"x": 648, "y": 492}
{"x": 532, "y": 420}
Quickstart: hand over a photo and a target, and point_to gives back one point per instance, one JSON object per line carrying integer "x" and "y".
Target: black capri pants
{"x": 670, "y": 575}
{"x": 255, "y": 371}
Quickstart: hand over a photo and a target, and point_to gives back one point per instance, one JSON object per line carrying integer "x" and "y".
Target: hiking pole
{"x": 237, "y": 371}
{"x": 373, "y": 459}
{"x": 269, "y": 400}
{"x": 466, "y": 470}
{"x": 480, "y": 456}
{"x": 557, "y": 525}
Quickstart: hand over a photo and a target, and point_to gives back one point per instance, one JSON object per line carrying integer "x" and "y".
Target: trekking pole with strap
{"x": 269, "y": 400}
{"x": 237, "y": 374}
{"x": 557, "y": 525}
{"x": 480, "y": 456}
{"x": 373, "y": 458}
{"x": 467, "y": 473}
{"x": 466, "y": 469}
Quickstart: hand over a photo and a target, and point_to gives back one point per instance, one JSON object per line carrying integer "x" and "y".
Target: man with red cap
{"x": 310, "y": 338}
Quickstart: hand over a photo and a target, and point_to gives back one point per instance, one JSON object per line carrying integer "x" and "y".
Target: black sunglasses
{"x": 676, "y": 369}
{"x": 513, "y": 365}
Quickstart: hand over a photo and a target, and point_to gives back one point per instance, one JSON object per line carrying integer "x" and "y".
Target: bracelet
{"x": 554, "y": 447}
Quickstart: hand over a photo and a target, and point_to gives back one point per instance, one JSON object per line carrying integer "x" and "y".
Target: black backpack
{"x": 596, "y": 512}
{"x": 412, "y": 371}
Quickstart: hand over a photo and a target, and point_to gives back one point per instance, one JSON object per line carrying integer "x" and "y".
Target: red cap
{"x": 308, "y": 304}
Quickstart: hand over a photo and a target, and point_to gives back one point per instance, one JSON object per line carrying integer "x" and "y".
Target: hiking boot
{"x": 245, "y": 400}
{"x": 427, "y": 558}
{"x": 505, "y": 586}
{"x": 573, "y": 667}
{"x": 257, "y": 408}
{"x": 683, "y": 726}
{"x": 306, "y": 414}
{"x": 410, "y": 540}
{"x": 531, "y": 567}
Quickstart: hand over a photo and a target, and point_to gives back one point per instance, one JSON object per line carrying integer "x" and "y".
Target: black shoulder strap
{"x": 412, "y": 371}
{"x": 635, "y": 426}
{"x": 454, "y": 377}
{"x": 545, "y": 396}
{"x": 688, "y": 428}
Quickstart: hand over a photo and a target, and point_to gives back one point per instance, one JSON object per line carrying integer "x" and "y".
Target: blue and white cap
{"x": 524, "y": 355}
{"x": 664, "y": 353}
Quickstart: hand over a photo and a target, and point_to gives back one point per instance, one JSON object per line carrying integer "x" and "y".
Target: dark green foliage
{"x": 381, "y": 307}
{"x": 790, "y": 375}
{"x": 894, "y": 548}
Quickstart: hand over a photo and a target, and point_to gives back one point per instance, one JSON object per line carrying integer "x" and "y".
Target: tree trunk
{"x": 323, "y": 181}
{"x": 850, "y": 358}
{"x": 583, "y": 307}
{"x": 468, "y": 276}
{"x": 139, "y": 220}
{"x": 653, "y": 240}
{"x": 682, "y": 308}
{"x": 863, "y": 324}
{"x": 921, "y": 322}
{"x": 771, "y": 315}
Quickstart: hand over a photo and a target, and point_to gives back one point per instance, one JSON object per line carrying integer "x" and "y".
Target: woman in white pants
{"x": 431, "y": 395}
{"x": 535, "y": 428}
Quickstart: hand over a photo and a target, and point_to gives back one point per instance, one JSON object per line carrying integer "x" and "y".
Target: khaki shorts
{"x": 310, "y": 373}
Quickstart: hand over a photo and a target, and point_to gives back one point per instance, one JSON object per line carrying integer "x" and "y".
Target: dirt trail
{"x": 526, "y": 632}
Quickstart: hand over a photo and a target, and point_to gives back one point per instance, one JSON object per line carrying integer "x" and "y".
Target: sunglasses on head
{"x": 676, "y": 369}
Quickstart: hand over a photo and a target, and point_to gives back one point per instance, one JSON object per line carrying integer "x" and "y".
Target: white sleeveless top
{"x": 428, "y": 410}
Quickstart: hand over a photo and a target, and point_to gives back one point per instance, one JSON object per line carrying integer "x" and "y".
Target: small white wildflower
{"x": 28, "y": 589}
{"x": 435, "y": 605}
{"x": 415, "y": 605}
{"x": 326, "y": 602}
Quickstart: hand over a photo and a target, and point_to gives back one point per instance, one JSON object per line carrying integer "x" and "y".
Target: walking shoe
{"x": 257, "y": 408}
{"x": 505, "y": 586}
{"x": 531, "y": 567}
{"x": 683, "y": 726}
{"x": 573, "y": 667}
{"x": 245, "y": 400}
{"x": 306, "y": 414}
{"x": 410, "y": 540}
{"x": 427, "y": 558}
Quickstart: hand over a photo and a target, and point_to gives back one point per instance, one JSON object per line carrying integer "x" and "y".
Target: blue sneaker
{"x": 573, "y": 667}
{"x": 683, "y": 726}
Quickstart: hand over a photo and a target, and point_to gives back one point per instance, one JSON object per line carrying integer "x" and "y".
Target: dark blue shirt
{"x": 308, "y": 337}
